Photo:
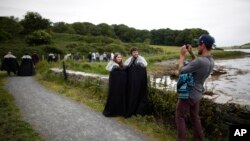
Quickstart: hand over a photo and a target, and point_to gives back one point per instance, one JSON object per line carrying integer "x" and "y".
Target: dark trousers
{"x": 183, "y": 109}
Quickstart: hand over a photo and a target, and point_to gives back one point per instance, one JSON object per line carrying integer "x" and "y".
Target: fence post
{"x": 64, "y": 72}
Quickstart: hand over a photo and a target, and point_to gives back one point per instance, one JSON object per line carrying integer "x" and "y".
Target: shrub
{"x": 49, "y": 49}
{"x": 4, "y": 35}
{"x": 38, "y": 37}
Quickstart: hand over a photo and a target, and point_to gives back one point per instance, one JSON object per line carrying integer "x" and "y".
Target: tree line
{"x": 38, "y": 29}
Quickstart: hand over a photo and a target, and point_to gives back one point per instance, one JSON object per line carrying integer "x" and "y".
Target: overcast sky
{"x": 228, "y": 21}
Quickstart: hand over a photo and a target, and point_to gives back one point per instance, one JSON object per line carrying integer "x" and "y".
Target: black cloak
{"x": 115, "y": 105}
{"x": 10, "y": 64}
{"x": 137, "y": 92}
{"x": 35, "y": 58}
{"x": 26, "y": 67}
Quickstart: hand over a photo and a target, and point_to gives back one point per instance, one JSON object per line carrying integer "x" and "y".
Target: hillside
{"x": 63, "y": 43}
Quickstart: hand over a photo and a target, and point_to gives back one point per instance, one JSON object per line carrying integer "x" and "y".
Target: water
{"x": 234, "y": 86}
{"x": 243, "y": 50}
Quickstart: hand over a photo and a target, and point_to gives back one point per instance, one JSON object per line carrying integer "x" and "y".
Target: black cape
{"x": 137, "y": 92}
{"x": 116, "y": 105}
{"x": 10, "y": 65}
{"x": 26, "y": 67}
{"x": 35, "y": 58}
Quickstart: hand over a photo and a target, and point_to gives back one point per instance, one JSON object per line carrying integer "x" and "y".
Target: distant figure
{"x": 97, "y": 56}
{"x": 90, "y": 57}
{"x": 35, "y": 58}
{"x": 112, "y": 56}
{"x": 51, "y": 57}
{"x": 93, "y": 57}
{"x": 108, "y": 56}
{"x": 76, "y": 56}
{"x": 101, "y": 57}
{"x": 27, "y": 66}
{"x": 105, "y": 56}
{"x": 116, "y": 105}
{"x": 10, "y": 64}
{"x": 137, "y": 94}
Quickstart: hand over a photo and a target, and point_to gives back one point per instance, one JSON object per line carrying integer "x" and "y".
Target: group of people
{"x": 127, "y": 94}
{"x": 96, "y": 56}
{"x": 26, "y": 68}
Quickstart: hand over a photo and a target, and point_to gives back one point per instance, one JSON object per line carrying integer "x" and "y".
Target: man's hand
{"x": 183, "y": 51}
{"x": 189, "y": 49}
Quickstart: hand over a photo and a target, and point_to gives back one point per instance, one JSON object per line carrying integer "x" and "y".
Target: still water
{"x": 233, "y": 86}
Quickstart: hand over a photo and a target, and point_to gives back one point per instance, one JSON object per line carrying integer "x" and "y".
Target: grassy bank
{"x": 12, "y": 127}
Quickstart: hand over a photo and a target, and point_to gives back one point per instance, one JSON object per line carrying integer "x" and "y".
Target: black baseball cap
{"x": 206, "y": 39}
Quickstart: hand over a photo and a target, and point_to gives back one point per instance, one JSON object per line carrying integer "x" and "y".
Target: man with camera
{"x": 200, "y": 67}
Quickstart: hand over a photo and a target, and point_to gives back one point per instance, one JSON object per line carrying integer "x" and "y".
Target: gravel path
{"x": 59, "y": 119}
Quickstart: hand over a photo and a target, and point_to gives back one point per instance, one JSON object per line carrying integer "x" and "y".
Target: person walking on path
{"x": 10, "y": 64}
{"x": 27, "y": 66}
{"x": 200, "y": 68}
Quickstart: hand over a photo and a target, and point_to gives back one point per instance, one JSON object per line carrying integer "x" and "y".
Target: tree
{"x": 125, "y": 33}
{"x": 142, "y": 36}
{"x": 85, "y": 28}
{"x": 169, "y": 36}
{"x": 38, "y": 37}
{"x": 157, "y": 36}
{"x": 34, "y": 21}
{"x": 9, "y": 27}
{"x": 106, "y": 30}
{"x": 62, "y": 27}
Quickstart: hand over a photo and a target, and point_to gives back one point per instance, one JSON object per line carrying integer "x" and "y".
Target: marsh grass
{"x": 12, "y": 126}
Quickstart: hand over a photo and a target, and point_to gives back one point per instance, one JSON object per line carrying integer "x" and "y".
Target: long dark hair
{"x": 114, "y": 59}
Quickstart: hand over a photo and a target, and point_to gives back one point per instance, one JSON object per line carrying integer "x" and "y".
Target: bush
{"x": 4, "y": 35}
{"x": 39, "y": 37}
{"x": 96, "y": 39}
{"x": 49, "y": 49}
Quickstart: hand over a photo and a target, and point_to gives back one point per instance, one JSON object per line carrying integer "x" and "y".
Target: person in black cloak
{"x": 35, "y": 58}
{"x": 115, "y": 105}
{"x": 137, "y": 93}
{"x": 51, "y": 57}
{"x": 10, "y": 63}
{"x": 27, "y": 66}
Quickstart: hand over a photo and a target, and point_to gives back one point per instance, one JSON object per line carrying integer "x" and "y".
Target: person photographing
{"x": 200, "y": 68}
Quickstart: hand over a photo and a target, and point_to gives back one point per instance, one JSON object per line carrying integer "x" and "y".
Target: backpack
{"x": 184, "y": 85}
